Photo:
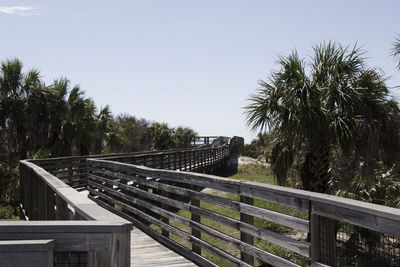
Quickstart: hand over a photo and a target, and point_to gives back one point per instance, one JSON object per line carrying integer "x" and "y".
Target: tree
{"x": 15, "y": 92}
{"x": 163, "y": 136}
{"x": 332, "y": 105}
{"x": 396, "y": 51}
{"x": 80, "y": 124}
{"x": 104, "y": 120}
{"x": 184, "y": 136}
{"x": 129, "y": 134}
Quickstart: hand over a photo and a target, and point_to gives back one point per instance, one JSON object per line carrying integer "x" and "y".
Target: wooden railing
{"x": 171, "y": 206}
{"x": 71, "y": 223}
{"x": 78, "y": 226}
{"x": 72, "y": 170}
{"x": 207, "y": 140}
{"x": 208, "y": 219}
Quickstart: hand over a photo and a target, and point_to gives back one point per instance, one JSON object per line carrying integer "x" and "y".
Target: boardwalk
{"x": 147, "y": 252}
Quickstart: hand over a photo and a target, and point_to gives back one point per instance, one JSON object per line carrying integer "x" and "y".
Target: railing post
{"x": 246, "y": 238}
{"x": 24, "y": 190}
{"x": 185, "y": 159}
{"x": 51, "y": 202}
{"x": 62, "y": 209}
{"x": 163, "y": 219}
{"x": 195, "y": 218}
{"x": 314, "y": 231}
{"x": 180, "y": 160}
{"x": 175, "y": 160}
{"x": 323, "y": 241}
{"x": 41, "y": 195}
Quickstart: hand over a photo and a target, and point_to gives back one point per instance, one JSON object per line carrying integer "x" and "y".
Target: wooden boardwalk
{"x": 145, "y": 251}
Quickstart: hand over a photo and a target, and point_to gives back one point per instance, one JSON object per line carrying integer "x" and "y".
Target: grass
{"x": 7, "y": 213}
{"x": 14, "y": 218}
{"x": 255, "y": 172}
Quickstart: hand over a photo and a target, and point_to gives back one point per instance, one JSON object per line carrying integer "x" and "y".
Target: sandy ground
{"x": 248, "y": 160}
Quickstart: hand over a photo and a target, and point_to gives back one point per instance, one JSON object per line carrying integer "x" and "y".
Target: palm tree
{"x": 104, "y": 120}
{"x": 396, "y": 51}
{"x": 184, "y": 137}
{"x": 163, "y": 136}
{"x": 16, "y": 90}
{"x": 319, "y": 109}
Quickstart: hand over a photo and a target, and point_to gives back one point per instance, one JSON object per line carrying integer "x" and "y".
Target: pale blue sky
{"x": 187, "y": 63}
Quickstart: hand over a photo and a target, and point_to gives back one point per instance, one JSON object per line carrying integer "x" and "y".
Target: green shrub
{"x": 9, "y": 186}
{"x": 6, "y": 212}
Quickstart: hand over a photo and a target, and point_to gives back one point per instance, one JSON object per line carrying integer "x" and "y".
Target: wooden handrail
{"x": 56, "y": 211}
{"x": 161, "y": 189}
{"x": 134, "y": 188}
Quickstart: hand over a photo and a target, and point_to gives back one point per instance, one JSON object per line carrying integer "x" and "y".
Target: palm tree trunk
{"x": 316, "y": 176}
{"x": 315, "y": 173}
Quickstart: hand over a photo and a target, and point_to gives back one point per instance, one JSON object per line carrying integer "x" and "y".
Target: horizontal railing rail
{"x": 188, "y": 212}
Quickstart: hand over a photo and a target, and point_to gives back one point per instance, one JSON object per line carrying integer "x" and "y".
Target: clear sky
{"x": 188, "y": 63}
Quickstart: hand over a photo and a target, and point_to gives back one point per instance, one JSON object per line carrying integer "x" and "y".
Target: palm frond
{"x": 396, "y": 51}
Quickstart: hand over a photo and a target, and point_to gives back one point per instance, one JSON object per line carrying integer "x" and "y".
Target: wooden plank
{"x": 386, "y": 225}
{"x": 20, "y": 227}
{"x": 294, "y": 245}
{"x": 276, "y": 217}
{"x": 315, "y": 238}
{"x": 195, "y": 218}
{"x": 67, "y": 241}
{"x": 214, "y": 199}
{"x": 266, "y": 256}
{"x": 203, "y": 180}
{"x": 273, "y": 196}
{"x": 245, "y": 237}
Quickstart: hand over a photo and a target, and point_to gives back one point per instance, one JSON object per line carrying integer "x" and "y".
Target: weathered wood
{"x": 371, "y": 221}
{"x": 261, "y": 192}
{"x": 203, "y": 180}
{"x": 245, "y": 237}
{"x": 33, "y": 253}
{"x": 214, "y": 199}
{"x": 315, "y": 238}
{"x": 182, "y": 234}
{"x": 276, "y": 217}
{"x": 182, "y": 250}
{"x": 50, "y": 204}
{"x": 266, "y": 256}
{"x": 195, "y": 218}
{"x": 272, "y": 237}
{"x": 294, "y": 245}
{"x": 145, "y": 251}
{"x": 152, "y": 196}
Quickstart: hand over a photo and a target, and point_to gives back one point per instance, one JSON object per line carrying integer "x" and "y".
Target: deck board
{"x": 145, "y": 251}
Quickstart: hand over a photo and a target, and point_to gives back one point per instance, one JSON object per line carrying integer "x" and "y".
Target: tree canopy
{"x": 318, "y": 108}
{"x": 39, "y": 120}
